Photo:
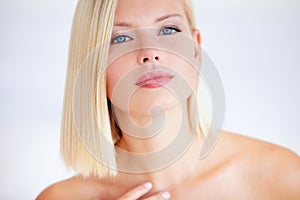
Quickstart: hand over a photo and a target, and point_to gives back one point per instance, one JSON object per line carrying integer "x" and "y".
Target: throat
{"x": 165, "y": 171}
{"x": 151, "y": 150}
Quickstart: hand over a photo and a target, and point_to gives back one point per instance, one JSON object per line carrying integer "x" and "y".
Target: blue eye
{"x": 120, "y": 39}
{"x": 169, "y": 31}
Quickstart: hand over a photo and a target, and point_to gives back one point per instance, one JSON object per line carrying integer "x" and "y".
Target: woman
{"x": 130, "y": 116}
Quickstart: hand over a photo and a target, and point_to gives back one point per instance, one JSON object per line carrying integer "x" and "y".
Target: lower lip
{"x": 155, "y": 83}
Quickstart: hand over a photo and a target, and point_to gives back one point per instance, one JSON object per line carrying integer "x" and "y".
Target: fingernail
{"x": 148, "y": 185}
{"x": 166, "y": 195}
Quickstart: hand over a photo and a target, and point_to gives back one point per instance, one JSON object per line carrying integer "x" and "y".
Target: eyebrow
{"x": 166, "y": 17}
{"x": 160, "y": 19}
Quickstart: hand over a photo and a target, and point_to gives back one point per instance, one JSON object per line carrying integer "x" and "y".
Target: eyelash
{"x": 115, "y": 39}
{"x": 172, "y": 28}
{"x": 127, "y": 38}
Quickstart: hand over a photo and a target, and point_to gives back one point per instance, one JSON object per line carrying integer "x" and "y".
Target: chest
{"x": 225, "y": 186}
{"x": 222, "y": 191}
{"x": 208, "y": 190}
{"x": 228, "y": 184}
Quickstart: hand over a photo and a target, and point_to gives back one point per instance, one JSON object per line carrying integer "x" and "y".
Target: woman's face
{"x": 152, "y": 56}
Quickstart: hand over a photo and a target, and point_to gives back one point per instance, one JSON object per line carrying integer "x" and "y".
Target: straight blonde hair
{"x": 92, "y": 27}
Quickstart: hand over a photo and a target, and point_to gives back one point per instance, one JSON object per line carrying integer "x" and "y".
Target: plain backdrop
{"x": 254, "y": 45}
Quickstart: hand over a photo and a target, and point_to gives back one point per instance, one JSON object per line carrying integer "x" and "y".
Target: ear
{"x": 197, "y": 36}
{"x": 197, "y": 42}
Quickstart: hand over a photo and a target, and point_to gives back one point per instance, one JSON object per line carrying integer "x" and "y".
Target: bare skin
{"x": 248, "y": 169}
{"x": 238, "y": 167}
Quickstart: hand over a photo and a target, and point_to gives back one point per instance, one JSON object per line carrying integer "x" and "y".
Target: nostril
{"x": 156, "y": 57}
{"x": 145, "y": 60}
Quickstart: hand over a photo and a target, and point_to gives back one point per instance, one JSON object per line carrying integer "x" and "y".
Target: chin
{"x": 154, "y": 104}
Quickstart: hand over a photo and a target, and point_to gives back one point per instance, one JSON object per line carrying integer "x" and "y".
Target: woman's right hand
{"x": 143, "y": 189}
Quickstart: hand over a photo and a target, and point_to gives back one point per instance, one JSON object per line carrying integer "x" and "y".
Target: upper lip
{"x": 152, "y": 75}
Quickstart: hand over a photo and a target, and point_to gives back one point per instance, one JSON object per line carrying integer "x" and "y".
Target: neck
{"x": 173, "y": 175}
{"x": 165, "y": 171}
{"x": 147, "y": 144}
{"x": 146, "y": 133}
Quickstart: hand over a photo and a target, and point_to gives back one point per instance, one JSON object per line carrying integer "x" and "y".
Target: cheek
{"x": 187, "y": 71}
{"x": 114, "y": 73}
{"x": 190, "y": 74}
{"x": 111, "y": 78}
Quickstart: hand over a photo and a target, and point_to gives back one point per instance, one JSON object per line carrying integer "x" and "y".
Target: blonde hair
{"x": 81, "y": 144}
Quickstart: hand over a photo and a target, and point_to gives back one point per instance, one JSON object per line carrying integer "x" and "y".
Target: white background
{"x": 254, "y": 44}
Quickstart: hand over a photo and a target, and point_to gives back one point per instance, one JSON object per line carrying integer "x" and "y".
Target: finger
{"x": 160, "y": 196}
{"x": 137, "y": 192}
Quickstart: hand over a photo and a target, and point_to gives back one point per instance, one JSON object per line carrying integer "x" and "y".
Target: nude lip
{"x": 154, "y": 79}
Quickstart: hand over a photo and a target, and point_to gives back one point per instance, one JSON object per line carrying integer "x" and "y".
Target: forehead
{"x": 143, "y": 12}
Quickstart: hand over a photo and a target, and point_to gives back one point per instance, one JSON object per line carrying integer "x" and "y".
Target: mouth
{"x": 154, "y": 79}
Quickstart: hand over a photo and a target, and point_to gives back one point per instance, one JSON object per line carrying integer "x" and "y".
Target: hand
{"x": 143, "y": 189}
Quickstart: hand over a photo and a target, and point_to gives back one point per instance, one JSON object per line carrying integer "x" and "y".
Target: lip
{"x": 154, "y": 79}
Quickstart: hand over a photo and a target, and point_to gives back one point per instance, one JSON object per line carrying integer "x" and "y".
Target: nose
{"x": 148, "y": 56}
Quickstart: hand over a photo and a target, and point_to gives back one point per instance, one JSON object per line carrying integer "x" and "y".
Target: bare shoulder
{"x": 242, "y": 141}
{"x": 59, "y": 190}
{"x": 255, "y": 148}
{"x": 73, "y": 188}
{"x": 267, "y": 165}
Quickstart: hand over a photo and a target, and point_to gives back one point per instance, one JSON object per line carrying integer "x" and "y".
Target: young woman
{"x": 132, "y": 127}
